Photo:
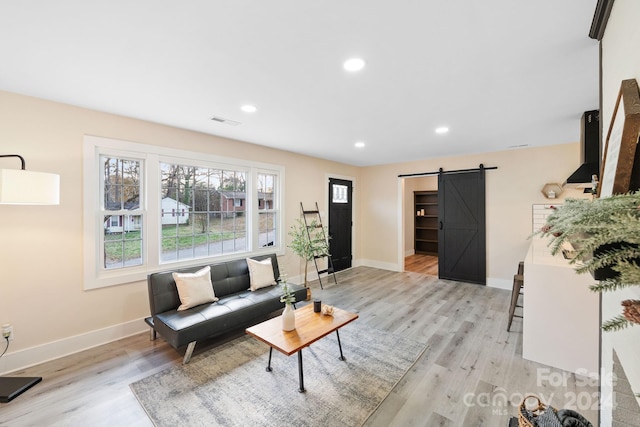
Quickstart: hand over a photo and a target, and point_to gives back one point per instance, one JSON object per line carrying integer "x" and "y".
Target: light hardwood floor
{"x": 472, "y": 373}
{"x": 423, "y": 264}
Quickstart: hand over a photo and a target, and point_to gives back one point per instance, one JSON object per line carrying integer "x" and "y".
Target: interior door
{"x": 461, "y": 221}
{"x": 340, "y": 222}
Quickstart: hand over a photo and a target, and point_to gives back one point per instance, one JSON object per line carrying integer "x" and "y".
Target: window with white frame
{"x": 267, "y": 212}
{"x": 214, "y": 226}
{"x": 151, "y": 208}
{"x": 122, "y": 213}
{"x": 339, "y": 194}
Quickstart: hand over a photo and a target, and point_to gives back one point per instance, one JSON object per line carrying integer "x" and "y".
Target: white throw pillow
{"x": 194, "y": 288}
{"x": 260, "y": 273}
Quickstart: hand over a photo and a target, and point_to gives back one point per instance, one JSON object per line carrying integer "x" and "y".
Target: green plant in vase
{"x": 288, "y": 315}
{"x": 605, "y": 233}
{"x": 287, "y": 297}
{"x": 308, "y": 242}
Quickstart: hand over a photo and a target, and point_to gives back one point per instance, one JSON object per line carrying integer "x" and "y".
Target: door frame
{"x": 354, "y": 200}
{"x": 402, "y": 212}
{"x": 401, "y": 224}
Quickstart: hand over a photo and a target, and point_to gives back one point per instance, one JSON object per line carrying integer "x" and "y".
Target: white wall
{"x": 620, "y": 61}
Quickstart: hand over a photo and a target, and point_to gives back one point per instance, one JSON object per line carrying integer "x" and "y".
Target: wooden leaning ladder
{"x": 313, "y": 226}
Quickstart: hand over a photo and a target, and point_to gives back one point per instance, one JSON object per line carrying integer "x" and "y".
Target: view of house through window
{"x": 122, "y": 214}
{"x": 210, "y": 219}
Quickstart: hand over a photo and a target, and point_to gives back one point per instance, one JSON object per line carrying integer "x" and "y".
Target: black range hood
{"x": 589, "y": 149}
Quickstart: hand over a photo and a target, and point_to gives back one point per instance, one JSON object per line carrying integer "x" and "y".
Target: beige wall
{"x": 42, "y": 295}
{"x": 620, "y": 61}
{"x": 41, "y": 291}
{"x": 510, "y": 192}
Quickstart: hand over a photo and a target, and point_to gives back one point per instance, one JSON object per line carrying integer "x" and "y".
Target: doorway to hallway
{"x": 415, "y": 233}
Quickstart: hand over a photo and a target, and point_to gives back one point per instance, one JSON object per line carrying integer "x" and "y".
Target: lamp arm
{"x": 15, "y": 155}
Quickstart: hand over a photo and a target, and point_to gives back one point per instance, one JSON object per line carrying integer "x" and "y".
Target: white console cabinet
{"x": 561, "y": 321}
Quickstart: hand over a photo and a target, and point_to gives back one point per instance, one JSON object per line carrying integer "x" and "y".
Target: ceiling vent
{"x": 225, "y": 121}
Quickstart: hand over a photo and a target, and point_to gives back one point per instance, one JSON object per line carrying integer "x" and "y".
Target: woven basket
{"x": 523, "y": 420}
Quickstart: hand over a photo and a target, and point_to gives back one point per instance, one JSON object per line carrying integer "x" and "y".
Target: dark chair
{"x": 516, "y": 291}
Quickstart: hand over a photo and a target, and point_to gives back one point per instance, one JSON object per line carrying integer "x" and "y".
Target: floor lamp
{"x": 22, "y": 187}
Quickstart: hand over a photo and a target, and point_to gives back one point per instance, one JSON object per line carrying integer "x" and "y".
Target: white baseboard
{"x": 409, "y": 252}
{"x": 312, "y": 275}
{"x": 28, "y": 357}
{"x": 493, "y": 282}
{"x": 378, "y": 264}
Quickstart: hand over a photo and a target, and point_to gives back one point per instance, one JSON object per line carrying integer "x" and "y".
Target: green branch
{"x": 605, "y": 233}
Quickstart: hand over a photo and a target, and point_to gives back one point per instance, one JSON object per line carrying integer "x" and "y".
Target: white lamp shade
{"x": 23, "y": 187}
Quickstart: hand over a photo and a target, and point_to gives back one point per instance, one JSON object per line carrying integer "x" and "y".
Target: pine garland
{"x": 615, "y": 324}
{"x": 611, "y": 222}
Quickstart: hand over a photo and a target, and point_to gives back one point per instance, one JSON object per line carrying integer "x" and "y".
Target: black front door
{"x": 340, "y": 222}
{"x": 462, "y": 234}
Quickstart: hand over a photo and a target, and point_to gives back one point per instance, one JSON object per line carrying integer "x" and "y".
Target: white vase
{"x": 288, "y": 318}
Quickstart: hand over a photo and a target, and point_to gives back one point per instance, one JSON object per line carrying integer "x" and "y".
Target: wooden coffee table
{"x": 310, "y": 327}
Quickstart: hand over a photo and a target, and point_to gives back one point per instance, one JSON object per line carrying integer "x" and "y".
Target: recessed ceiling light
{"x": 442, "y": 129}
{"x": 249, "y": 108}
{"x": 354, "y": 64}
{"x": 359, "y": 144}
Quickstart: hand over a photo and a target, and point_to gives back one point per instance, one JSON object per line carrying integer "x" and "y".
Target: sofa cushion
{"x": 180, "y": 328}
{"x": 230, "y": 277}
{"x": 260, "y": 274}
{"x": 194, "y": 288}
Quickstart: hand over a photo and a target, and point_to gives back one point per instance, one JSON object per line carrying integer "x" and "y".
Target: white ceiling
{"x": 498, "y": 73}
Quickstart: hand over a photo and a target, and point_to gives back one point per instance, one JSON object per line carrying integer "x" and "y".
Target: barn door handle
{"x": 440, "y": 225}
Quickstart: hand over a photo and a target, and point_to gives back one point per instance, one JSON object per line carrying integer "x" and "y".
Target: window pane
{"x": 121, "y": 184}
{"x": 203, "y": 211}
{"x": 266, "y": 186}
{"x": 122, "y": 241}
{"x": 267, "y": 229}
{"x": 339, "y": 194}
{"x": 122, "y": 237}
{"x": 267, "y": 225}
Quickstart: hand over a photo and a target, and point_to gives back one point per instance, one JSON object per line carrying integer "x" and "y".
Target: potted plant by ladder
{"x": 308, "y": 243}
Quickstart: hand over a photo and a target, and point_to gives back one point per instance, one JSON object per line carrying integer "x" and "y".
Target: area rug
{"x": 229, "y": 385}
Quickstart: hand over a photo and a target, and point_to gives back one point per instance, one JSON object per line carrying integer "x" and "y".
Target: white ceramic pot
{"x": 288, "y": 318}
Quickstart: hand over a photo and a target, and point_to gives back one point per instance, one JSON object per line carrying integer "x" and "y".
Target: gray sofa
{"x": 237, "y": 306}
